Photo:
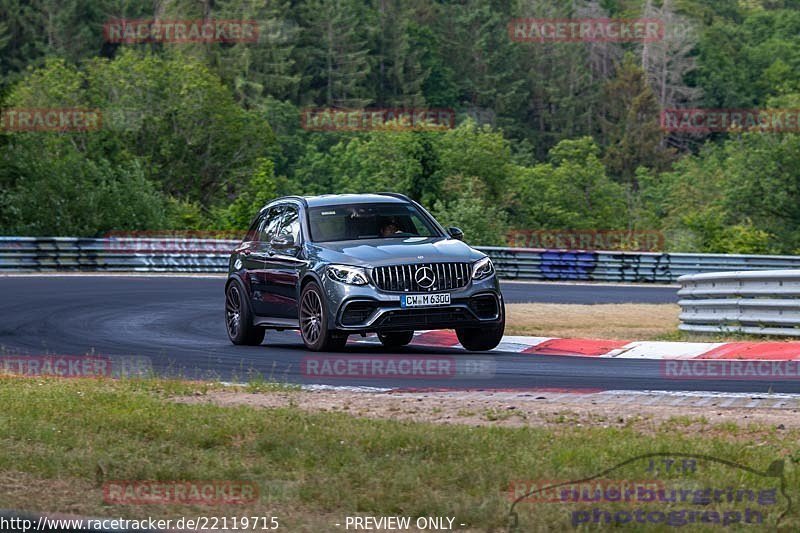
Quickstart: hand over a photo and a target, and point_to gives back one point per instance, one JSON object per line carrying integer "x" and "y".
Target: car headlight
{"x": 347, "y": 274}
{"x": 482, "y": 269}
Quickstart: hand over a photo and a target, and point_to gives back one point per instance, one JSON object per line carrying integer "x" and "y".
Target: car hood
{"x": 378, "y": 252}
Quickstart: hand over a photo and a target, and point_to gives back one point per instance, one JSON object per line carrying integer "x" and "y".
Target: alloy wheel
{"x": 311, "y": 316}
{"x": 233, "y": 310}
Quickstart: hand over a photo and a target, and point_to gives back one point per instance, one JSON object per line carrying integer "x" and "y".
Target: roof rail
{"x": 288, "y": 197}
{"x": 295, "y": 197}
{"x": 396, "y": 195}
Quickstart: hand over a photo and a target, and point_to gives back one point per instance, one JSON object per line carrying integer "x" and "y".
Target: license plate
{"x": 425, "y": 300}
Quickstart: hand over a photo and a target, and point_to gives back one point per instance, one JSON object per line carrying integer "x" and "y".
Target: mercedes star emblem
{"x": 424, "y": 277}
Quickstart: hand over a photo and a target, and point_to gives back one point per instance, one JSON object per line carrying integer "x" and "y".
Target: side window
{"x": 252, "y": 233}
{"x": 291, "y": 223}
{"x": 270, "y": 224}
{"x": 419, "y": 227}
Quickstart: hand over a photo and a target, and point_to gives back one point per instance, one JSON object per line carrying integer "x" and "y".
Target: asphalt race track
{"x": 177, "y": 322}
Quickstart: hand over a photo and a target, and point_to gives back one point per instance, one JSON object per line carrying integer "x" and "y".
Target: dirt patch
{"x": 602, "y": 321}
{"x": 73, "y": 498}
{"x": 68, "y": 495}
{"x": 518, "y": 410}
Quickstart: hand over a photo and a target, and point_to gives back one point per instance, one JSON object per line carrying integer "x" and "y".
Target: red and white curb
{"x": 622, "y": 349}
{"x": 653, "y": 398}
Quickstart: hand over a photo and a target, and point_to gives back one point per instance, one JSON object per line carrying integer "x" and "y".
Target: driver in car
{"x": 390, "y": 228}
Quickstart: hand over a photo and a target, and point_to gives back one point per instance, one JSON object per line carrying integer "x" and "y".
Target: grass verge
{"x": 602, "y": 321}
{"x": 641, "y": 322}
{"x": 64, "y": 439}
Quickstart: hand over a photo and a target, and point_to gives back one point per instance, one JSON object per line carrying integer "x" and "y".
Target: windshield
{"x": 368, "y": 221}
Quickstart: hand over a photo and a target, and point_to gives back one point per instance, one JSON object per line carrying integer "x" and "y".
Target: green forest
{"x": 548, "y": 135}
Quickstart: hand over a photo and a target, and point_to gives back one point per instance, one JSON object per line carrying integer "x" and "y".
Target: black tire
{"x": 481, "y": 339}
{"x": 239, "y": 317}
{"x": 395, "y": 339}
{"x": 314, "y": 328}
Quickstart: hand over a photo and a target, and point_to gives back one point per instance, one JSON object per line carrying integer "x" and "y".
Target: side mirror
{"x": 283, "y": 242}
{"x": 456, "y": 233}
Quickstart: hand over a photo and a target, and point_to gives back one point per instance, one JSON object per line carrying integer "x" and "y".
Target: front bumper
{"x": 362, "y": 309}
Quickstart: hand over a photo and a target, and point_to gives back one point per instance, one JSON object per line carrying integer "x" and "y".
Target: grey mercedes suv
{"x": 336, "y": 265}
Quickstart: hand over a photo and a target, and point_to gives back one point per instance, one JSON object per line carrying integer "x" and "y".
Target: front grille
{"x": 403, "y": 278}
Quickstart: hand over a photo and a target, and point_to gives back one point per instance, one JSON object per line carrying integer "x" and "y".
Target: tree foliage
{"x": 563, "y": 135}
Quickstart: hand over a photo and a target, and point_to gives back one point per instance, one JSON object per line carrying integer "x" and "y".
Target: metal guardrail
{"x": 654, "y": 267}
{"x": 171, "y": 254}
{"x": 765, "y": 302}
{"x": 113, "y": 254}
